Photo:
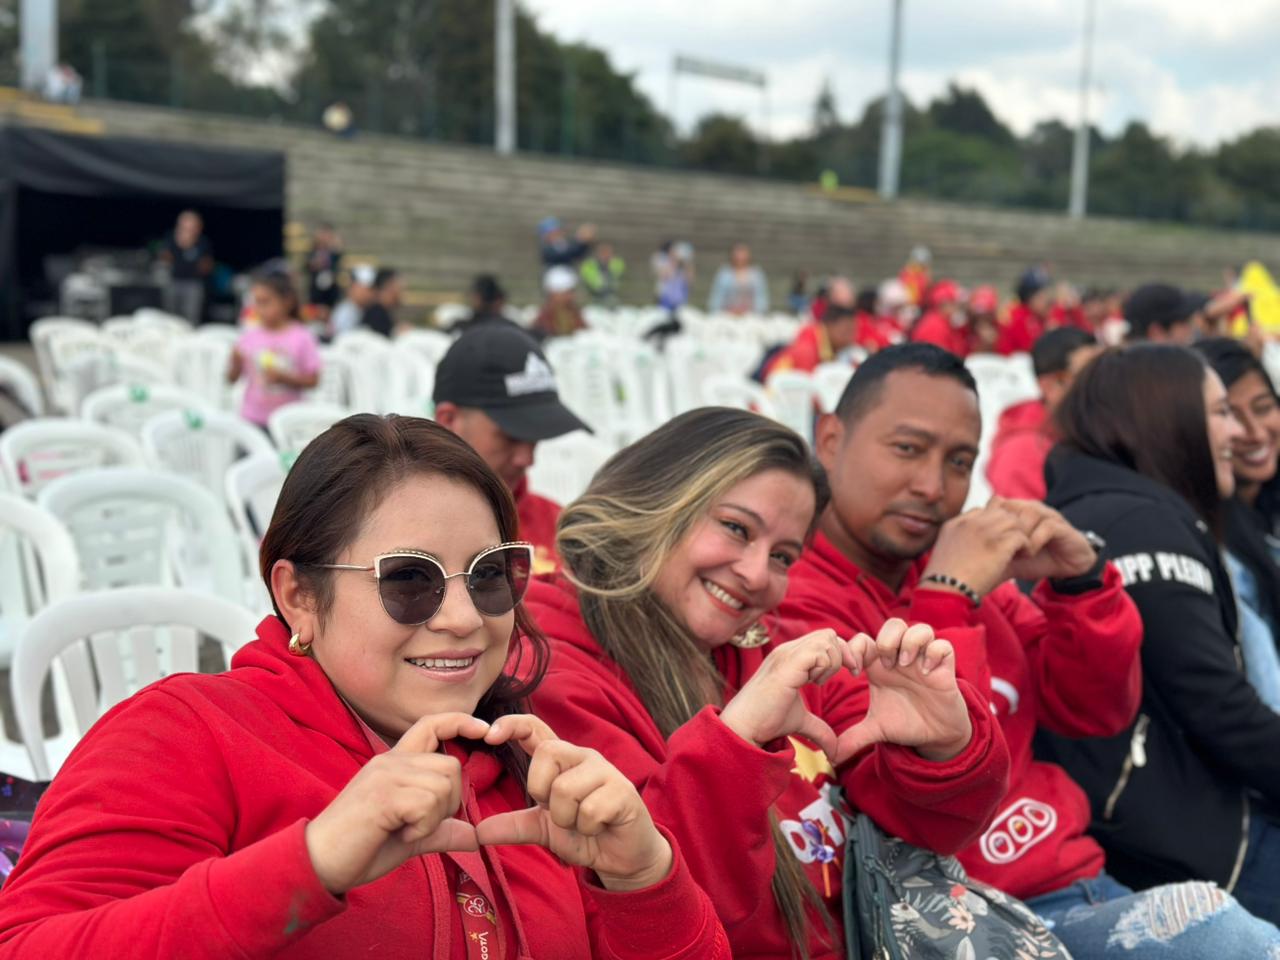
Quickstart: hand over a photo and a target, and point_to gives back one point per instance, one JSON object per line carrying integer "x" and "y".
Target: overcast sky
{"x": 1199, "y": 71}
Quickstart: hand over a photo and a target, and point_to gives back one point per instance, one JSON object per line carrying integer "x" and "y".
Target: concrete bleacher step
{"x": 442, "y": 212}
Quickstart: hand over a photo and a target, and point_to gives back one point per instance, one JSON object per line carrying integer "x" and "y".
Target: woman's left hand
{"x": 588, "y": 814}
{"x": 914, "y": 698}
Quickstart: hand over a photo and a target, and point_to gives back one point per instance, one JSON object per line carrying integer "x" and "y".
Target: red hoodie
{"x": 1069, "y": 663}
{"x": 538, "y": 517}
{"x": 1020, "y": 330}
{"x": 1018, "y": 452}
{"x": 936, "y": 328}
{"x": 176, "y": 829}
{"x": 711, "y": 788}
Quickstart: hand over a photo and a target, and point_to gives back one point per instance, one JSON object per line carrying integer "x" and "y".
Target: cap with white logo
{"x": 498, "y": 368}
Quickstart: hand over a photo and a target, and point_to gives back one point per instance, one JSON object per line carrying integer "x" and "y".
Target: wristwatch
{"x": 1091, "y": 579}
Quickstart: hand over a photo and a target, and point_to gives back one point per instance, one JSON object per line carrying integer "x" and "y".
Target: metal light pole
{"x": 38, "y": 32}
{"x": 1080, "y": 151}
{"x": 504, "y": 77}
{"x": 891, "y": 131}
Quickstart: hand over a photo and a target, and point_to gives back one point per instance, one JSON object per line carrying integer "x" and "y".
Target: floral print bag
{"x": 902, "y": 902}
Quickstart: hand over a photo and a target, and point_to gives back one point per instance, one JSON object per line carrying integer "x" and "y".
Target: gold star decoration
{"x": 810, "y": 763}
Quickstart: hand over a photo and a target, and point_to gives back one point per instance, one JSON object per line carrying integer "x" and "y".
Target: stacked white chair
{"x": 36, "y": 452}
{"x": 42, "y": 333}
{"x": 129, "y": 407}
{"x": 293, "y": 426}
{"x": 71, "y": 356}
{"x": 136, "y": 635}
{"x": 137, "y": 527}
{"x": 201, "y": 445}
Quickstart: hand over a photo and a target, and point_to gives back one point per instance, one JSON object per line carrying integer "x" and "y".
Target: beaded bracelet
{"x": 957, "y": 585}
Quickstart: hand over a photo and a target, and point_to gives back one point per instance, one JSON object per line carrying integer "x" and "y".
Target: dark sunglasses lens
{"x": 412, "y": 589}
{"x": 499, "y": 580}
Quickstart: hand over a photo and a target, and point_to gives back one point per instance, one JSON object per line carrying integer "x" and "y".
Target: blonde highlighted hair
{"x": 615, "y": 540}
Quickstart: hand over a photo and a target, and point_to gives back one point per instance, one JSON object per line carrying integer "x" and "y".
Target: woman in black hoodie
{"x": 1192, "y": 789}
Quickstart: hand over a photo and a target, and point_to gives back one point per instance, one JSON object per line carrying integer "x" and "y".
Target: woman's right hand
{"x": 398, "y": 806}
{"x": 769, "y": 705}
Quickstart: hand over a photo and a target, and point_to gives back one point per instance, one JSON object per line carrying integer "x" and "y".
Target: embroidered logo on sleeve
{"x": 1021, "y": 825}
{"x": 1164, "y": 567}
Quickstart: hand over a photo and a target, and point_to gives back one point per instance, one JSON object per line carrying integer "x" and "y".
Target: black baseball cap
{"x": 1158, "y": 305}
{"x": 498, "y": 368}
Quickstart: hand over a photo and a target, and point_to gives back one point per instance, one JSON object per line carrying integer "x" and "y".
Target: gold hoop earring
{"x": 297, "y": 647}
{"x": 754, "y": 636}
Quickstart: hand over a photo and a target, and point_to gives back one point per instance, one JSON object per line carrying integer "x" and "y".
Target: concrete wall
{"x": 442, "y": 213}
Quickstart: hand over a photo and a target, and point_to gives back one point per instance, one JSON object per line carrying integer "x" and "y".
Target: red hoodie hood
{"x": 1026, "y": 417}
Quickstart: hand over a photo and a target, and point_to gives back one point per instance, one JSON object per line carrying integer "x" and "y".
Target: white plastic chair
{"x": 200, "y": 365}
{"x": 38, "y": 566}
{"x": 219, "y": 332}
{"x": 335, "y": 385}
{"x": 130, "y": 646}
{"x": 563, "y": 467}
{"x": 42, "y": 332}
{"x": 252, "y": 489}
{"x": 138, "y": 527}
{"x": 35, "y": 452}
{"x": 432, "y": 344}
{"x": 728, "y": 390}
{"x": 829, "y": 380}
{"x": 151, "y": 318}
{"x": 201, "y": 445}
{"x": 410, "y": 381}
{"x": 23, "y": 383}
{"x": 293, "y": 426}
{"x": 795, "y": 399}
{"x": 129, "y": 407}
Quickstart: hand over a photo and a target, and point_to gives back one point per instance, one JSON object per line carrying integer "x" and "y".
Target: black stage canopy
{"x": 62, "y": 193}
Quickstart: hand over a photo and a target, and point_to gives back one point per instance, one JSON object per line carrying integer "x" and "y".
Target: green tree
{"x": 724, "y": 144}
{"x": 965, "y": 112}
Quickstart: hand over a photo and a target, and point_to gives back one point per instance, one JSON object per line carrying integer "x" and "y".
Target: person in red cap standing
{"x": 495, "y": 389}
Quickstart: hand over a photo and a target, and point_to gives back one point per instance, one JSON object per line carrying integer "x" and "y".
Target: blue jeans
{"x": 1258, "y": 888}
{"x": 1194, "y": 920}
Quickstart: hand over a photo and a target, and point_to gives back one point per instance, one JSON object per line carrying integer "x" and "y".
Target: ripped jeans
{"x": 1103, "y": 918}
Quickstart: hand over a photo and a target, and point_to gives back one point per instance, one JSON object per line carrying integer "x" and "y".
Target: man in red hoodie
{"x": 1030, "y": 316}
{"x": 495, "y": 389}
{"x": 822, "y": 339}
{"x": 1024, "y": 433}
{"x": 946, "y": 322}
{"x": 899, "y": 450}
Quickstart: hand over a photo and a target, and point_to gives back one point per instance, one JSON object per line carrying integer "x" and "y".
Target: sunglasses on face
{"x": 412, "y": 585}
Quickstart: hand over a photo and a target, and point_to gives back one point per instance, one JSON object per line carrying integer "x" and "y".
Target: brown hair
{"x": 615, "y": 540}
{"x": 1142, "y": 407}
{"x": 335, "y": 485}
{"x": 282, "y": 285}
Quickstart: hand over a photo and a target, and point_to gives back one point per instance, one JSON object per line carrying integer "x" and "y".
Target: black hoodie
{"x": 1173, "y": 795}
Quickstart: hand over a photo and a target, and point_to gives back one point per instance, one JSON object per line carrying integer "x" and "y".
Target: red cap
{"x": 944, "y": 292}
{"x": 984, "y": 300}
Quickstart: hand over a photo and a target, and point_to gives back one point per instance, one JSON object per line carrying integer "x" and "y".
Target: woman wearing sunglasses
{"x": 664, "y": 658}
{"x": 359, "y": 782}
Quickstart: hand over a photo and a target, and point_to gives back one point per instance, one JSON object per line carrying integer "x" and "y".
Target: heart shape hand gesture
{"x": 401, "y": 805}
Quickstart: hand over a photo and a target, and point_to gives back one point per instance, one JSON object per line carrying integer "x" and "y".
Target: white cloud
{"x": 1195, "y": 71}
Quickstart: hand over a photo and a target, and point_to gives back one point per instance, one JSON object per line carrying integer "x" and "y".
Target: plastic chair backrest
{"x": 794, "y": 396}
{"x": 252, "y": 488}
{"x": 35, "y": 452}
{"x": 565, "y": 465}
{"x": 293, "y": 426}
{"x": 41, "y": 332}
{"x": 23, "y": 383}
{"x": 125, "y": 630}
{"x": 410, "y": 381}
{"x": 136, "y": 527}
{"x": 728, "y": 390}
{"x": 38, "y": 565}
{"x": 129, "y": 407}
{"x": 201, "y": 446}
{"x": 829, "y": 380}
{"x": 335, "y": 385}
{"x": 432, "y": 344}
{"x": 200, "y": 365}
